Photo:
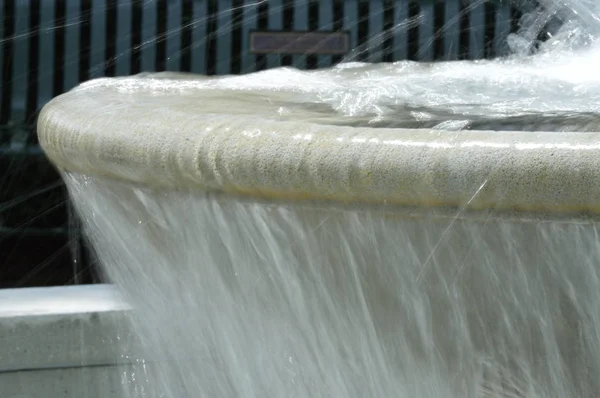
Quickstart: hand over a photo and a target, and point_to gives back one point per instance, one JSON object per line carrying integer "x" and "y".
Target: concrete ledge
{"x": 63, "y": 327}
{"x": 186, "y": 132}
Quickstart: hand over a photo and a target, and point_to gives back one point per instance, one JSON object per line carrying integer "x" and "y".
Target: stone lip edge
{"x": 476, "y": 170}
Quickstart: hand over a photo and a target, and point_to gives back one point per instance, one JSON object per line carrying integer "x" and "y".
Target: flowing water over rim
{"x": 550, "y": 91}
{"x": 243, "y": 299}
{"x": 546, "y": 92}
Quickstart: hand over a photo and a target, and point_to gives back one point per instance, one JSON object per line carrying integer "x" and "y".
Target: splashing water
{"x": 246, "y": 299}
{"x": 257, "y": 300}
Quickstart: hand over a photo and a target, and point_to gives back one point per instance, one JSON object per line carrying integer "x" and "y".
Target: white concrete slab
{"x": 62, "y": 327}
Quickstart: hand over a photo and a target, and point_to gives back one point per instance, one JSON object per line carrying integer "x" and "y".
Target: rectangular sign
{"x": 307, "y": 43}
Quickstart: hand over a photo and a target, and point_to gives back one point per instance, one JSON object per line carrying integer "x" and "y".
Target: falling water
{"x": 241, "y": 298}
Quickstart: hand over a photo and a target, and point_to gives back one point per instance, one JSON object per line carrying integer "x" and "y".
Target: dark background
{"x": 40, "y": 240}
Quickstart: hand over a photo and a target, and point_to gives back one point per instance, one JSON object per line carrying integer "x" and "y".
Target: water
{"x": 240, "y": 298}
{"x": 549, "y": 92}
{"x": 248, "y": 299}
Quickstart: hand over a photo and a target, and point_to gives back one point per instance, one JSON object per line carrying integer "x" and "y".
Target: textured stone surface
{"x": 173, "y": 133}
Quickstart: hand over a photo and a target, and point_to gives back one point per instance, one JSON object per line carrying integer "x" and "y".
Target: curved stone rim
{"x": 280, "y": 160}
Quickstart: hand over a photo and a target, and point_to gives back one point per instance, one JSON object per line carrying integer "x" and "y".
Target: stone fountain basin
{"x": 171, "y": 132}
{"x": 518, "y": 194}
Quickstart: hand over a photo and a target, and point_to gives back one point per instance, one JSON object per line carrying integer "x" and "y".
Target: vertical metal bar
{"x": 501, "y": 28}
{"x": 400, "y": 31}
{"x": 249, "y": 23}
{"x": 476, "y": 30}
{"x": 46, "y": 52}
{"x": 148, "y": 45}
{"x": 98, "y": 40}
{"x": 123, "y": 42}
{"x": 32, "y": 99}
{"x": 73, "y": 22}
{"x": 2, "y": 27}
{"x": 224, "y": 37}
{"x": 300, "y": 25}
{"x": 426, "y": 32}
{"x": 451, "y": 36}
{"x": 199, "y": 36}
{"x": 174, "y": 29}
{"x": 20, "y": 60}
{"x": 325, "y": 24}
{"x": 376, "y": 33}
{"x": 275, "y": 23}
{"x": 351, "y": 26}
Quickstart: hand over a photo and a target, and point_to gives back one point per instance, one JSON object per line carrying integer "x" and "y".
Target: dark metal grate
{"x": 49, "y": 46}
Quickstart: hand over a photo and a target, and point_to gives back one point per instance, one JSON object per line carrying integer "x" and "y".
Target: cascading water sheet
{"x": 246, "y": 299}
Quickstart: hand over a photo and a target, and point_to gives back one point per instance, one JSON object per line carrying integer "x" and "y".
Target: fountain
{"x": 408, "y": 230}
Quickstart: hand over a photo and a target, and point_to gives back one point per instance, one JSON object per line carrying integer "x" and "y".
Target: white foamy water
{"x": 245, "y": 299}
{"x": 551, "y": 91}
{"x": 274, "y": 300}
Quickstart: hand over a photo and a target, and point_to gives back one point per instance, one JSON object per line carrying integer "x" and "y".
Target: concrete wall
{"x": 65, "y": 342}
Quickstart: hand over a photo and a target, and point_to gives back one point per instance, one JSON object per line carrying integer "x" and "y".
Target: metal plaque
{"x": 307, "y": 43}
